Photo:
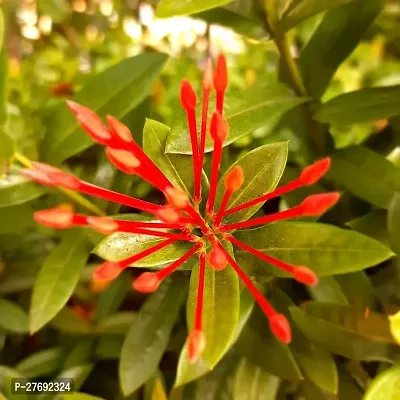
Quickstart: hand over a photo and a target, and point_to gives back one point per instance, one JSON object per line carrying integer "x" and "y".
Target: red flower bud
{"x": 221, "y": 74}
{"x": 217, "y": 259}
{"x": 123, "y": 160}
{"x": 208, "y": 76}
{"x": 315, "y": 172}
{"x": 305, "y": 275}
{"x": 280, "y": 328}
{"x": 37, "y": 176}
{"x": 119, "y": 129}
{"x": 67, "y": 181}
{"x": 219, "y": 128}
{"x": 318, "y": 203}
{"x": 57, "y": 218}
{"x": 147, "y": 282}
{"x": 196, "y": 345}
{"x": 235, "y": 178}
{"x": 188, "y": 96}
{"x": 168, "y": 214}
{"x": 177, "y": 197}
{"x": 107, "y": 271}
{"x": 104, "y": 225}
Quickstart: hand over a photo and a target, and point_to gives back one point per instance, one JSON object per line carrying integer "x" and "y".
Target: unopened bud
{"x": 280, "y": 328}
{"x": 313, "y": 173}
{"x": 305, "y": 275}
{"x": 57, "y": 218}
{"x": 147, "y": 282}
{"x": 196, "y": 345}
{"x": 188, "y": 96}
{"x": 119, "y": 129}
{"x": 107, "y": 271}
{"x": 221, "y": 74}
{"x": 168, "y": 214}
{"x": 318, "y": 203}
{"x": 219, "y": 127}
{"x": 104, "y": 225}
{"x": 93, "y": 125}
{"x": 123, "y": 160}
{"x": 217, "y": 258}
{"x": 177, "y": 197}
{"x": 37, "y": 176}
{"x": 208, "y": 76}
{"x": 67, "y": 181}
{"x": 235, "y": 178}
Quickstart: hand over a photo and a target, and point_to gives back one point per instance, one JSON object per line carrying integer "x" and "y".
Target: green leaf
{"x": 7, "y": 148}
{"x": 12, "y": 317}
{"x": 116, "y": 323}
{"x": 347, "y": 331}
{"x": 221, "y": 293}
{"x": 115, "y": 91}
{"x": 245, "y": 111}
{"x": 334, "y": 40}
{"x": 58, "y": 277}
{"x": 262, "y": 168}
{"x": 15, "y": 190}
{"x": 7, "y": 375}
{"x": 171, "y": 8}
{"x": 386, "y": 386}
{"x": 155, "y": 137}
{"x": 300, "y": 10}
{"x": 80, "y": 396}
{"x": 393, "y": 222}
{"x": 69, "y": 322}
{"x": 3, "y": 71}
{"x": 41, "y": 363}
{"x": 328, "y": 290}
{"x": 260, "y": 347}
{"x": 253, "y": 383}
{"x": 15, "y": 219}
{"x": 360, "y": 106}
{"x": 326, "y": 249}
{"x": 365, "y": 174}
{"x": 148, "y": 337}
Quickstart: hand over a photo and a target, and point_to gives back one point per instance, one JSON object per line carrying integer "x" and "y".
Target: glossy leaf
{"x": 171, "y": 8}
{"x": 326, "y": 249}
{"x": 253, "y": 383}
{"x": 334, "y": 40}
{"x": 347, "y": 331}
{"x": 300, "y": 10}
{"x": 15, "y": 190}
{"x": 12, "y": 317}
{"x": 360, "y": 106}
{"x": 57, "y": 279}
{"x": 221, "y": 293}
{"x": 41, "y": 363}
{"x": 245, "y": 112}
{"x": 148, "y": 337}
{"x": 262, "y": 168}
{"x": 115, "y": 91}
{"x": 366, "y": 174}
{"x": 393, "y": 222}
{"x": 385, "y": 386}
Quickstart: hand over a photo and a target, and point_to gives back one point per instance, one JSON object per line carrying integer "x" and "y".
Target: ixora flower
{"x": 179, "y": 219}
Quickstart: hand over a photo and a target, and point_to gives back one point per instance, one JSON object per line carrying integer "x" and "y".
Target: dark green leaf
{"x": 300, "y": 10}
{"x": 15, "y": 190}
{"x": 70, "y": 322}
{"x": 394, "y": 222}
{"x": 116, "y": 323}
{"x": 262, "y": 167}
{"x": 12, "y": 317}
{"x": 360, "y": 106}
{"x": 348, "y": 331}
{"x": 366, "y": 174}
{"x": 253, "y": 383}
{"x": 328, "y": 290}
{"x": 326, "y": 249}
{"x": 58, "y": 277}
{"x": 385, "y": 386}
{"x": 115, "y": 91}
{"x": 334, "y": 40}
{"x": 171, "y": 8}
{"x": 245, "y": 112}
{"x": 41, "y": 363}
{"x": 148, "y": 337}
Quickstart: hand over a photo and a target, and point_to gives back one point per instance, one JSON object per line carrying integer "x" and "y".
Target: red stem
{"x": 191, "y": 115}
{"x": 224, "y": 202}
{"x": 220, "y": 101}
{"x": 198, "y": 322}
{"x": 216, "y": 162}
{"x": 276, "y": 193}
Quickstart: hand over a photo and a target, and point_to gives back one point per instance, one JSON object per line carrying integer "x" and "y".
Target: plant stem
{"x": 85, "y": 203}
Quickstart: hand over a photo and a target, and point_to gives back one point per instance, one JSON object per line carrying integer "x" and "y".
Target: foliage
{"x": 308, "y": 79}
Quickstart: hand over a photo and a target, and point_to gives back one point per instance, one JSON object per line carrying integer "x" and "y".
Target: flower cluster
{"x": 179, "y": 218}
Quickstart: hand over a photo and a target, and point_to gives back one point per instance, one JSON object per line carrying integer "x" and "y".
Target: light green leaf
{"x": 3, "y": 71}
{"x": 393, "y": 222}
{"x": 365, "y": 174}
{"x": 334, "y": 40}
{"x": 12, "y": 317}
{"x": 326, "y": 249}
{"x": 15, "y": 190}
{"x": 386, "y": 386}
{"x": 360, "y": 106}
{"x": 7, "y": 375}
{"x": 221, "y": 293}
{"x": 262, "y": 168}
{"x": 41, "y": 363}
{"x": 58, "y": 277}
{"x": 148, "y": 337}
{"x": 80, "y": 396}
{"x": 171, "y": 8}
{"x": 253, "y": 383}
{"x": 347, "y": 331}
{"x": 115, "y": 91}
{"x": 245, "y": 111}
{"x": 7, "y": 146}
{"x": 300, "y": 10}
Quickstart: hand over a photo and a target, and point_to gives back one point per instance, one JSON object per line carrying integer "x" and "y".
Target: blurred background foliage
{"x": 58, "y": 49}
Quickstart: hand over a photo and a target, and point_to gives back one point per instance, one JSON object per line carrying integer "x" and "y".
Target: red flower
{"x": 177, "y": 220}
